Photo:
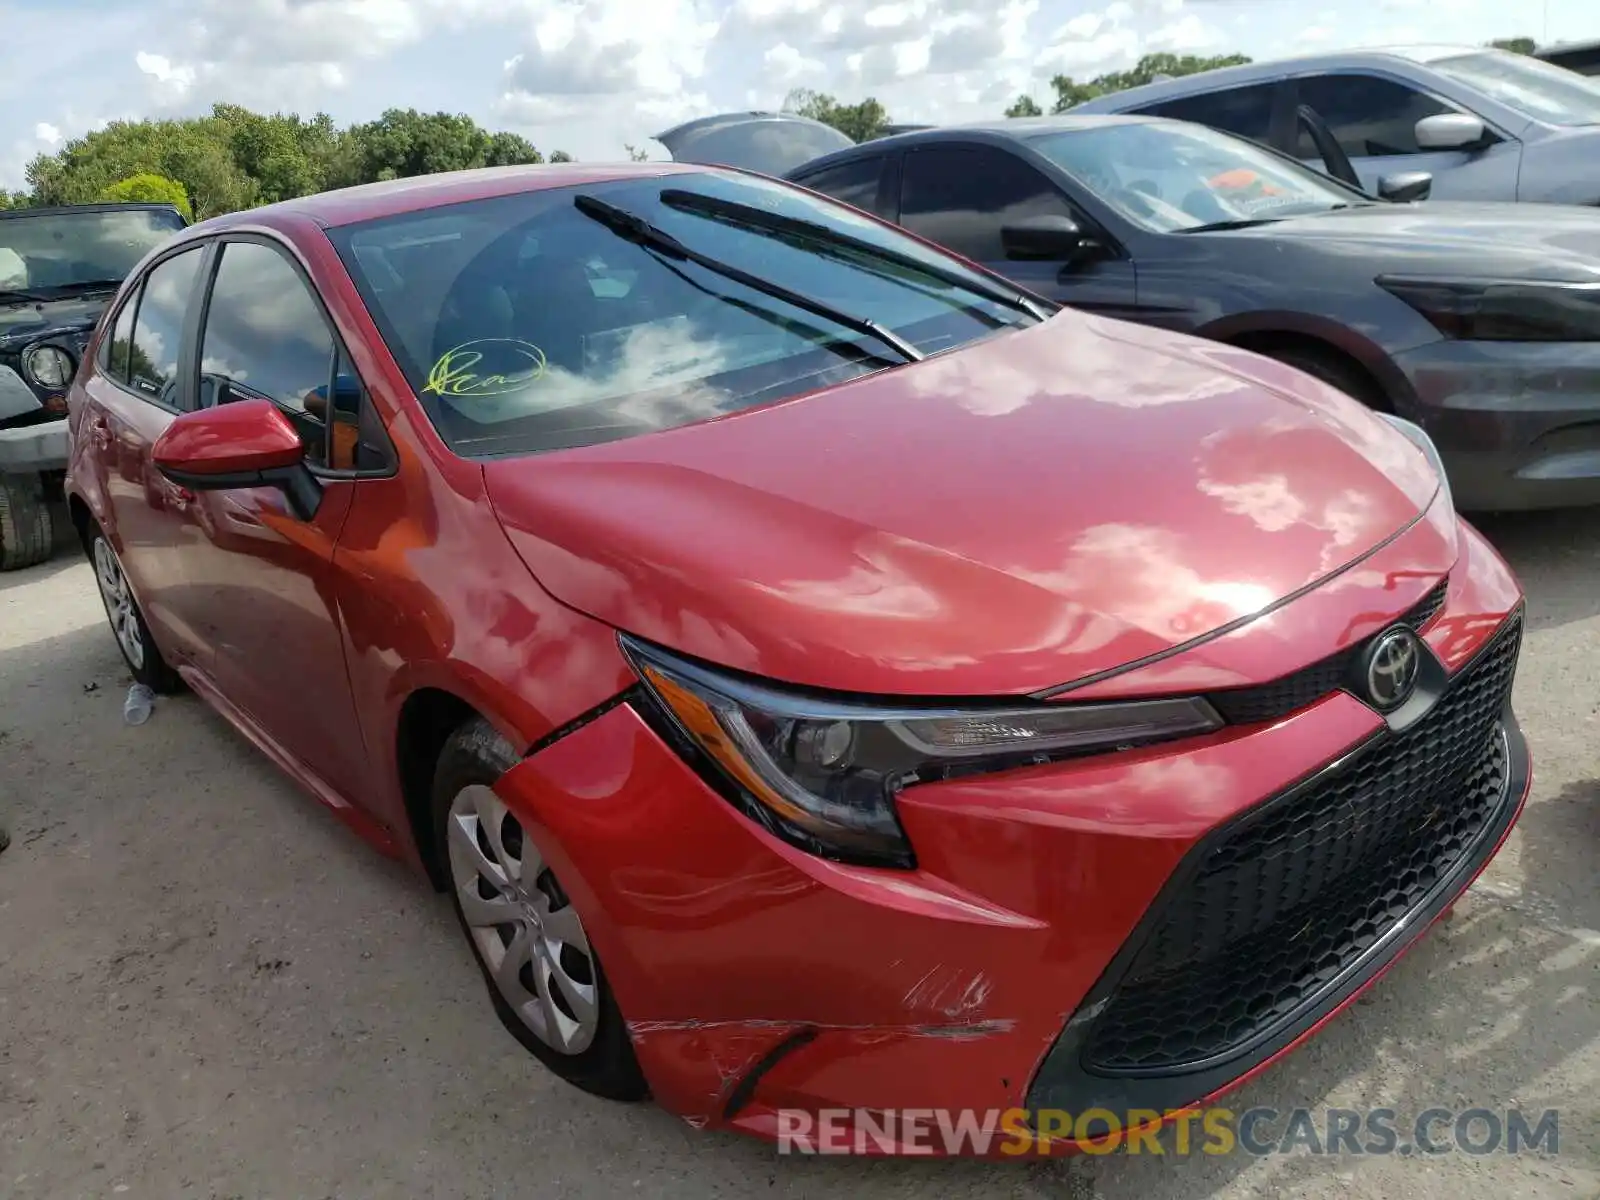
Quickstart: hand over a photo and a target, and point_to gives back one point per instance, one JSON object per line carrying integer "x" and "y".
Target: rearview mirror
{"x": 1450, "y": 131}
{"x": 1048, "y": 239}
{"x": 1405, "y": 186}
{"x": 245, "y": 444}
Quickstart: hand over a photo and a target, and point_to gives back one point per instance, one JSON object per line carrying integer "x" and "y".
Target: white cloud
{"x": 589, "y": 76}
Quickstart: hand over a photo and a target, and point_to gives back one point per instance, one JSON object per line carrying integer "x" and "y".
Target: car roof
{"x": 1019, "y": 129}
{"x": 1266, "y": 70}
{"x": 391, "y": 197}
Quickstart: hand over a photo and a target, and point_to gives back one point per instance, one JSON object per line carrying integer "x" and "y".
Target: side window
{"x": 114, "y": 352}
{"x": 266, "y": 337}
{"x": 1371, "y": 117}
{"x": 855, "y": 183}
{"x": 960, "y": 197}
{"x": 1245, "y": 112}
{"x": 158, "y": 326}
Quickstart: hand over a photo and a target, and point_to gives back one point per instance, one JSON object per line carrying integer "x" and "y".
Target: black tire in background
{"x": 27, "y": 529}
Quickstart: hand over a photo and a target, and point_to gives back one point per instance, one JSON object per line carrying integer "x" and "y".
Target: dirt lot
{"x": 208, "y": 988}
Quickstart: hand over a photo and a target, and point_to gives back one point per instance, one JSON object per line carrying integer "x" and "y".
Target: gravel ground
{"x": 208, "y": 988}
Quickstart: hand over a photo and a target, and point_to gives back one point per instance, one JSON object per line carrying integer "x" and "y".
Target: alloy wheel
{"x": 119, "y": 603}
{"x": 524, "y": 926}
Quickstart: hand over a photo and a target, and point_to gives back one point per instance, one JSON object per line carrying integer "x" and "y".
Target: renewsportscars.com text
{"x": 1215, "y": 1131}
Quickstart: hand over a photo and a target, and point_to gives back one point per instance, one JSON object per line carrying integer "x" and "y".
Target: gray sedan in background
{"x": 1486, "y": 124}
{"x": 1480, "y": 322}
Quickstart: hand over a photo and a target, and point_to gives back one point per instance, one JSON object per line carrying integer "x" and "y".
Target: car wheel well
{"x": 82, "y": 519}
{"x": 1320, "y": 358}
{"x": 427, "y": 719}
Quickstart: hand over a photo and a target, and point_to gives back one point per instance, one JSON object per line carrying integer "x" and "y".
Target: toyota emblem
{"x": 1392, "y": 668}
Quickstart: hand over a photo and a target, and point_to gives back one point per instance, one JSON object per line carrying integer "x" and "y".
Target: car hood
{"x": 1480, "y": 239}
{"x": 1041, "y": 506}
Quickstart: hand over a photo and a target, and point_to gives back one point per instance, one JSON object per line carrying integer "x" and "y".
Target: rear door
{"x": 141, "y": 382}
{"x": 961, "y": 195}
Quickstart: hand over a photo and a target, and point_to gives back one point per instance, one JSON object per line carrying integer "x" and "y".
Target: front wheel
{"x": 544, "y": 979}
{"x": 27, "y": 530}
{"x": 138, "y": 648}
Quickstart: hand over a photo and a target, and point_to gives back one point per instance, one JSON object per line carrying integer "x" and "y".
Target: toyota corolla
{"x": 820, "y": 674}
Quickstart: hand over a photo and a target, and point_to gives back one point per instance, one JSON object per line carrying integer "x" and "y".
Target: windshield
{"x": 1169, "y": 176}
{"x": 524, "y": 325}
{"x": 68, "y": 249}
{"x": 1536, "y": 89}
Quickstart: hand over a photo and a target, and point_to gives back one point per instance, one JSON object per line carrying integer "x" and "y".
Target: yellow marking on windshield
{"x": 457, "y": 371}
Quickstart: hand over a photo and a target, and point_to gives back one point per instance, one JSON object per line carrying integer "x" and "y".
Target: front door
{"x": 962, "y": 196}
{"x": 273, "y": 620}
{"x": 133, "y": 393}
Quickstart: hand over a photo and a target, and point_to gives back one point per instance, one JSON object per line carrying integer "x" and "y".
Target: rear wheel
{"x": 544, "y": 979}
{"x": 27, "y": 530}
{"x": 138, "y": 648}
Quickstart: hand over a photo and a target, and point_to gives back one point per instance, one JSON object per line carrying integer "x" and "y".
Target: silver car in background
{"x": 1486, "y": 124}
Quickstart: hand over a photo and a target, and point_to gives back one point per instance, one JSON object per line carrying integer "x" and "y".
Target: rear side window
{"x": 961, "y": 197}
{"x": 265, "y": 336}
{"x": 855, "y": 183}
{"x": 1244, "y": 111}
{"x": 115, "y": 355}
{"x": 1371, "y": 117}
{"x": 153, "y": 352}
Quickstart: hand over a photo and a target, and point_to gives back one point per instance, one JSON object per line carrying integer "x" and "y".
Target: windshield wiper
{"x": 19, "y": 295}
{"x": 91, "y": 285}
{"x": 760, "y": 218}
{"x": 1236, "y": 223}
{"x": 639, "y": 231}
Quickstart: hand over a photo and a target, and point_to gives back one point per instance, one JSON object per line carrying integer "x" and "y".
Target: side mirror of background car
{"x": 1405, "y": 186}
{"x": 1048, "y": 239}
{"x": 1450, "y": 131}
{"x": 244, "y": 444}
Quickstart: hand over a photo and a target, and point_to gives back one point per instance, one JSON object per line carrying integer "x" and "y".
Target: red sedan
{"x": 821, "y": 675}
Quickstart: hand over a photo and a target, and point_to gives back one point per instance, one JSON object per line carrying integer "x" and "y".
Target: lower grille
{"x": 1288, "y": 899}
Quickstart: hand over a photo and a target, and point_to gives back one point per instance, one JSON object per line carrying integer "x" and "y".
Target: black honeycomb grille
{"x": 1296, "y": 892}
{"x": 1275, "y": 700}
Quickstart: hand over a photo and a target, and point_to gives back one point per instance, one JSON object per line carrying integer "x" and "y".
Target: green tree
{"x": 1517, "y": 45}
{"x": 561, "y": 156}
{"x": 14, "y": 199}
{"x": 635, "y": 154}
{"x": 1070, "y": 92}
{"x": 148, "y": 188}
{"x": 188, "y": 151}
{"x": 860, "y": 122}
{"x": 404, "y": 142}
{"x": 1024, "y": 106}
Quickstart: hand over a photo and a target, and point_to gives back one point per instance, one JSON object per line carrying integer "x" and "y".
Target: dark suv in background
{"x": 58, "y": 269}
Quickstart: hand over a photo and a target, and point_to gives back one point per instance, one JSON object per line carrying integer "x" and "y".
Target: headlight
{"x": 823, "y": 773}
{"x": 1420, "y": 439}
{"x": 1503, "y": 310}
{"x": 48, "y": 366}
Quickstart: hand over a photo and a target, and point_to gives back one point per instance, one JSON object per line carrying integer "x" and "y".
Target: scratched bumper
{"x": 755, "y": 978}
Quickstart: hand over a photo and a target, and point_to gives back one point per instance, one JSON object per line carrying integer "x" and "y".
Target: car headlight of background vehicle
{"x": 1419, "y": 438}
{"x": 823, "y": 774}
{"x": 49, "y": 366}
{"x": 1491, "y": 310}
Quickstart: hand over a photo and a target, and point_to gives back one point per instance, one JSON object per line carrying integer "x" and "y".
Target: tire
{"x": 128, "y": 627}
{"x": 27, "y": 528}
{"x": 1335, "y": 370}
{"x": 484, "y": 849}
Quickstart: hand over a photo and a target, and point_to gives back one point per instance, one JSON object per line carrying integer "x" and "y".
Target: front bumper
{"x": 1060, "y": 916}
{"x": 31, "y": 448}
{"x": 1517, "y": 423}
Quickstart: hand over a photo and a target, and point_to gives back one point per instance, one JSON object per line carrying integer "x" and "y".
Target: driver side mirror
{"x": 1405, "y": 186}
{"x": 245, "y": 444}
{"x": 1049, "y": 239}
{"x": 1450, "y": 131}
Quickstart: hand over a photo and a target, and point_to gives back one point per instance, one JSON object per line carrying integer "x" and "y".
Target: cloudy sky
{"x": 589, "y": 76}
